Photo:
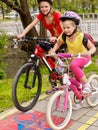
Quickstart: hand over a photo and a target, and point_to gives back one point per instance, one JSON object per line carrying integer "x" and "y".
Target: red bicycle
{"x": 27, "y": 84}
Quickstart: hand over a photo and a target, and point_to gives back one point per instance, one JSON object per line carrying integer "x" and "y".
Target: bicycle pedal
{"x": 48, "y": 92}
{"x": 86, "y": 95}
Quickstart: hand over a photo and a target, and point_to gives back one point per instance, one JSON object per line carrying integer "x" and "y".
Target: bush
{"x": 3, "y": 42}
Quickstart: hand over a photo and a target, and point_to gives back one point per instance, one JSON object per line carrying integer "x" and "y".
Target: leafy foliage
{"x": 3, "y": 42}
{"x": 89, "y": 6}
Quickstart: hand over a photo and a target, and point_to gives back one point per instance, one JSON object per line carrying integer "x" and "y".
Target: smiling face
{"x": 45, "y": 7}
{"x": 68, "y": 27}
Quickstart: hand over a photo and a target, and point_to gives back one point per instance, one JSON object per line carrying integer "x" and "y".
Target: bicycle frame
{"x": 48, "y": 61}
{"x": 73, "y": 84}
{"x": 39, "y": 54}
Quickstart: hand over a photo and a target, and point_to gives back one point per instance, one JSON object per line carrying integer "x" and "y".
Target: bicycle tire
{"x": 27, "y": 86}
{"x": 92, "y": 99}
{"x": 58, "y": 119}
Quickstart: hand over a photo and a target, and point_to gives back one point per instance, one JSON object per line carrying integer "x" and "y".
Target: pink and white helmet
{"x": 70, "y": 15}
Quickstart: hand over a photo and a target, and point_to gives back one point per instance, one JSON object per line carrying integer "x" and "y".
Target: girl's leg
{"x": 76, "y": 67}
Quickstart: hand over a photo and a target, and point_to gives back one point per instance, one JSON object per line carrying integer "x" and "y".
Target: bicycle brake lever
{"x": 54, "y": 54}
{"x": 79, "y": 55}
{"x": 24, "y": 39}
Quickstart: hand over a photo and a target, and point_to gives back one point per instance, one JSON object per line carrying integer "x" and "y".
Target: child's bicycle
{"x": 59, "y": 108}
{"x": 27, "y": 84}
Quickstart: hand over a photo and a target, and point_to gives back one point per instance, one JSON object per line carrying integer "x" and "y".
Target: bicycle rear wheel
{"x": 92, "y": 99}
{"x": 26, "y": 88}
{"x": 56, "y": 117}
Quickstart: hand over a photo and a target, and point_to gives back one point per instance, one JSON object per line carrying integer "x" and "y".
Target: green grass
{"x": 6, "y": 90}
{"x": 6, "y": 85}
{"x": 5, "y": 94}
{"x": 94, "y": 66}
{"x": 6, "y": 20}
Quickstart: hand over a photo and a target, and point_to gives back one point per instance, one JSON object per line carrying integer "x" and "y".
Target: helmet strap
{"x": 47, "y": 13}
{"x": 72, "y": 32}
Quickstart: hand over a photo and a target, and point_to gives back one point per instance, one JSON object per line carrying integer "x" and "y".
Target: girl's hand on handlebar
{"x": 20, "y": 36}
{"x": 51, "y": 52}
{"x": 53, "y": 39}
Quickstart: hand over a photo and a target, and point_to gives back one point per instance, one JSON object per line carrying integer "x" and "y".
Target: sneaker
{"x": 52, "y": 90}
{"x": 60, "y": 66}
{"x": 87, "y": 89}
{"x": 61, "y": 63}
{"x": 78, "y": 106}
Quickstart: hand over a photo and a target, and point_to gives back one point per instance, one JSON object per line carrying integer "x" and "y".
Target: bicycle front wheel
{"x": 26, "y": 88}
{"x": 56, "y": 116}
{"x": 92, "y": 99}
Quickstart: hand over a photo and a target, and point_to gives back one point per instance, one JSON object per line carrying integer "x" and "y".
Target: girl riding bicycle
{"x": 51, "y": 21}
{"x": 74, "y": 40}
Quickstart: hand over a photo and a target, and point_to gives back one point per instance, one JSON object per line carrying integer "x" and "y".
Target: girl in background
{"x": 51, "y": 21}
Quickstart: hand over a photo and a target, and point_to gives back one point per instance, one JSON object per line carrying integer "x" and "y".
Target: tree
{"x": 21, "y": 6}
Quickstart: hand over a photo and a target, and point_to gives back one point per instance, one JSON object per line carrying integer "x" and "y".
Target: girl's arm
{"x": 92, "y": 49}
{"x": 56, "y": 47}
{"x": 28, "y": 28}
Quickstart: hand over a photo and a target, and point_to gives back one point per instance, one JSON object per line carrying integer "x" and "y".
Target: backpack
{"x": 85, "y": 39}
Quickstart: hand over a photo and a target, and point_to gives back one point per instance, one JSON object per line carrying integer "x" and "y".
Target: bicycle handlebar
{"x": 41, "y": 40}
{"x": 35, "y": 38}
{"x": 64, "y": 55}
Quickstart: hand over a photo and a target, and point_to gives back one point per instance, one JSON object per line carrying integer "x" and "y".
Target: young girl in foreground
{"x": 74, "y": 40}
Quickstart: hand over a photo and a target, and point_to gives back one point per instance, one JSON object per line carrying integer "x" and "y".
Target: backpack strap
{"x": 64, "y": 39}
{"x": 85, "y": 40}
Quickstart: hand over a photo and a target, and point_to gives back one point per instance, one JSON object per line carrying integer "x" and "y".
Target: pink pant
{"x": 77, "y": 64}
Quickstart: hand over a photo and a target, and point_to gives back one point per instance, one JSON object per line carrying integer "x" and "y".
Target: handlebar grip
{"x": 65, "y": 55}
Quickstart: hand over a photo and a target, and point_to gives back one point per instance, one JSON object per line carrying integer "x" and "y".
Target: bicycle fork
{"x": 64, "y": 87}
{"x": 65, "y": 106}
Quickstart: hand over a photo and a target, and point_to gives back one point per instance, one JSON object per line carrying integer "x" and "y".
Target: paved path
{"x": 82, "y": 119}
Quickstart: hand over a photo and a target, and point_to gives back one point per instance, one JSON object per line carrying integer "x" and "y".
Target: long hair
{"x": 56, "y": 34}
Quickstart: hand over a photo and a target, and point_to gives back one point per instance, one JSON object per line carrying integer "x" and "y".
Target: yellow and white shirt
{"x": 76, "y": 46}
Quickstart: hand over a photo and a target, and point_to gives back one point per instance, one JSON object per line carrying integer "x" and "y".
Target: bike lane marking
{"x": 11, "y": 111}
{"x": 29, "y": 120}
{"x": 89, "y": 122}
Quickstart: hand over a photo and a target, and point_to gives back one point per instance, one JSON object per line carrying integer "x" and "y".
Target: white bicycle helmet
{"x": 70, "y": 15}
